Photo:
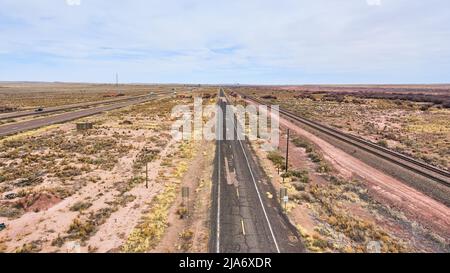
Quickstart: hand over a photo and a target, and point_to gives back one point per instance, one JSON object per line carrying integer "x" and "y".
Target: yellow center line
{"x": 243, "y": 227}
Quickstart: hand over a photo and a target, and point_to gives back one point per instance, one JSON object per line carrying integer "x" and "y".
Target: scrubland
{"x": 68, "y": 191}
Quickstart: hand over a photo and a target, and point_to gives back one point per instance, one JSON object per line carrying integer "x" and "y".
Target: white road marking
{"x": 218, "y": 190}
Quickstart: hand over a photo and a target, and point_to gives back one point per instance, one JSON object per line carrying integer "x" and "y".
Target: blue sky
{"x": 228, "y": 41}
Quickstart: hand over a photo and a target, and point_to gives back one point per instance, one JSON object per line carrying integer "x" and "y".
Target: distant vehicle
{"x": 40, "y": 109}
{"x": 151, "y": 93}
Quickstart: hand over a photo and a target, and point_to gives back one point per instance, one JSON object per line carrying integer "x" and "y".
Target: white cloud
{"x": 373, "y": 2}
{"x": 73, "y": 2}
{"x": 273, "y": 41}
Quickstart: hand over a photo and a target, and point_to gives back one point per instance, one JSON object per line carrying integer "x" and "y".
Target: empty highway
{"x": 244, "y": 218}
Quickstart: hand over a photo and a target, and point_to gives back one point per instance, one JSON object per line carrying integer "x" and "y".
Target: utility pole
{"x": 117, "y": 83}
{"x": 146, "y": 175}
{"x": 287, "y": 151}
{"x": 185, "y": 196}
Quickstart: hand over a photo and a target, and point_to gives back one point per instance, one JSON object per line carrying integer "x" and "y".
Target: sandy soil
{"x": 105, "y": 203}
{"x": 48, "y": 219}
{"x": 112, "y": 234}
{"x": 47, "y": 225}
{"x": 198, "y": 180}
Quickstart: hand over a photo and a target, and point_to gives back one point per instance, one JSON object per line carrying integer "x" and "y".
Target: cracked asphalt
{"x": 244, "y": 219}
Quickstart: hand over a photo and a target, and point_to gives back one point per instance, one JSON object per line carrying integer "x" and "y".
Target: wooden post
{"x": 284, "y": 198}
{"x": 185, "y": 196}
{"x": 146, "y": 175}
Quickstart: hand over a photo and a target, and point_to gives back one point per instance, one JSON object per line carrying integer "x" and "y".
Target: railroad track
{"x": 436, "y": 174}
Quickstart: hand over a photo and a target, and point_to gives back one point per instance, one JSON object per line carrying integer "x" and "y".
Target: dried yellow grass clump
{"x": 31, "y": 133}
{"x": 148, "y": 234}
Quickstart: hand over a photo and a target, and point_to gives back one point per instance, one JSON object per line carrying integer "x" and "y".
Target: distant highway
{"x": 14, "y": 128}
{"x": 55, "y": 109}
{"x": 244, "y": 219}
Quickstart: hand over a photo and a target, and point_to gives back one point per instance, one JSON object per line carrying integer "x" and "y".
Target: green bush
{"x": 277, "y": 159}
{"x": 302, "y": 176}
{"x": 314, "y": 157}
{"x": 301, "y": 143}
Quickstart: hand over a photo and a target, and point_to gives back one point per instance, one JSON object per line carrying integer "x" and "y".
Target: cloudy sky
{"x": 226, "y": 41}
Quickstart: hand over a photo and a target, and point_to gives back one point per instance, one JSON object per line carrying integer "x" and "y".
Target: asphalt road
{"x": 14, "y": 128}
{"x": 244, "y": 219}
{"x": 55, "y": 109}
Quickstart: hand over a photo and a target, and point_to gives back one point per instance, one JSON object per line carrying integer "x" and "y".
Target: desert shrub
{"x": 298, "y": 186}
{"x": 10, "y": 211}
{"x": 58, "y": 241}
{"x": 383, "y": 143}
{"x": 269, "y": 97}
{"x": 304, "y": 196}
{"x": 81, "y": 230}
{"x": 443, "y": 100}
{"x": 358, "y": 230}
{"x": 425, "y": 107}
{"x": 320, "y": 243}
{"x": 61, "y": 192}
{"x": 186, "y": 236}
{"x": 99, "y": 218}
{"x": 145, "y": 156}
{"x": 301, "y": 176}
{"x": 182, "y": 212}
{"x": 125, "y": 199}
{"x": 126, "y": 186}
{"x": 80, "y": 206}
{"x": 68, "y": 171}
{"x": 277, "y": 159}
{"x": 314, "y": 157}
{"x": 33, "y": 247}
{"x": 323, "y": 167}
{"x": 301, "y": 143}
